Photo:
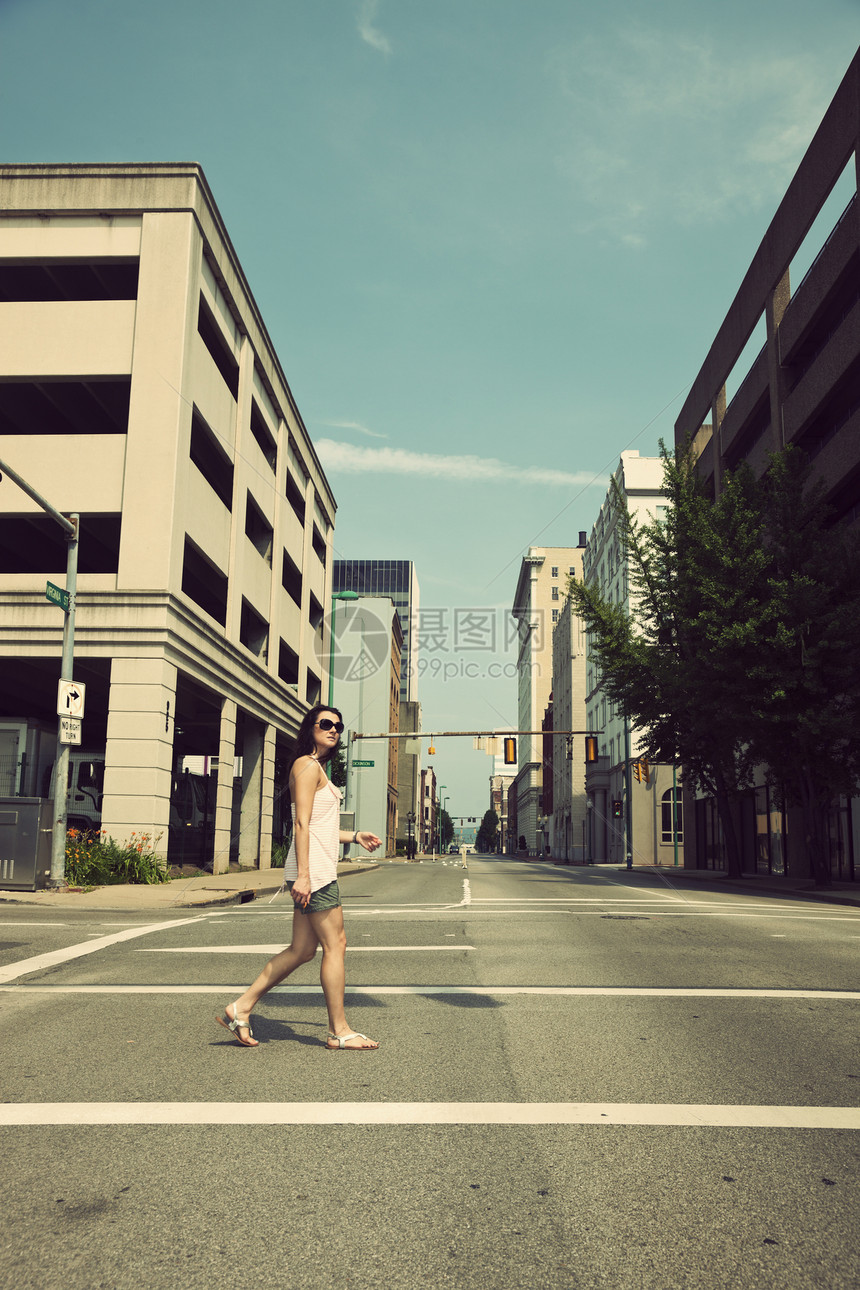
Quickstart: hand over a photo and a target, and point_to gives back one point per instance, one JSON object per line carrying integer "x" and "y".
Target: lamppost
{"x": 439, "y": 808}
{"x": 335, "y": 596}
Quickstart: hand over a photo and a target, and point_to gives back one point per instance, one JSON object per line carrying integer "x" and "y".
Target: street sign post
{"x": 364, "y": 763}
{"x": 57, "y": 596}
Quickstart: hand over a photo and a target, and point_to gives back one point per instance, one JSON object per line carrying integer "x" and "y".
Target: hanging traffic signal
{"x": 637, "y": 771}
{"x": 591, "y": 753}
{"x": 510, "y": 752}
{"x": 616, "y": 810}
{"x": 646, "y": 769}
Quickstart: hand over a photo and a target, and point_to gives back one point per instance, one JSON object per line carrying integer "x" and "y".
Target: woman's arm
{"x": 367, "y": 840}
{"x": 304, "y": 781}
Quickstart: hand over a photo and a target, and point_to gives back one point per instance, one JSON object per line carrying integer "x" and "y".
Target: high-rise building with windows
{"x": 397, "y": 580}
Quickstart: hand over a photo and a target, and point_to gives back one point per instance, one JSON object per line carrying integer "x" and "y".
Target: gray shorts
{"x": 327, "y": 897}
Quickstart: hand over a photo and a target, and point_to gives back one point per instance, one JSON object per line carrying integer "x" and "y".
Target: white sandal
{"x": 236, "y": 1024}
{"x": 342, "y": 1045}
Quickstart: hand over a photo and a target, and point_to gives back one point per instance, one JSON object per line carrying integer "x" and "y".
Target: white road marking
{"x": 14, "y": 923}
{"x": 371, "y": 991}
{"x": 234, "y": 1114}
{"x": 271, "y": 950}
{"x": 40, "y": 961}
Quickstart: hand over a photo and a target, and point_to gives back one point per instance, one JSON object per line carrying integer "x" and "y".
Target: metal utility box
{"x": 25, "y": 842}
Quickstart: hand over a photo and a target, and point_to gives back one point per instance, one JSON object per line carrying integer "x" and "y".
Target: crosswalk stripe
{"x": 615, "y": 1114}
{"x": 370, "y": 991}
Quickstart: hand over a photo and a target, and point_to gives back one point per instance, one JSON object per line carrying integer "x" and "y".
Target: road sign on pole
{"x": 70, "y": 730}
{"x": 70, "y": 699}
{"x": 57, "y": 596}
{"x": 363, "y": 763}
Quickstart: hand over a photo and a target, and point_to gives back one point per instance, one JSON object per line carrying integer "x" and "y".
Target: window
{"x": 318, "y": 542}
{"x": 219, "y": 350}
{"x": 291, "y": 579}
{"x": 35, "y": 544}
{"x": 211, "y": 460}
{"x": 258, "y": 530}
{"x": 555, "y": 593}
{"x": 666, "y": 812}
{"x": 254, "y": 631}
{"x": 265, "y": 439}
{"x": 555, "y": 571}
{"x": 65, "y": 407}
{"x": 288, "y": 664}
{"x": 69, "y": 280}
{"x": 296, "y": 497}
{"x": 204, "y": 582}
{"x": 555, "y": 615}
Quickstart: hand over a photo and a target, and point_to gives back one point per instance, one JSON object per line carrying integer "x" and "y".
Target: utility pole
{"x": 66, "y": 600}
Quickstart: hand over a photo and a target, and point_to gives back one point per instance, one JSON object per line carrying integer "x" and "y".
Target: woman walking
{"x": 310, "y": 874}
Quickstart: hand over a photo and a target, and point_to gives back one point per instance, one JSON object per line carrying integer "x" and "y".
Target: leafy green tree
{"x": 806, "y": 726}
{"x": 488, "y": 832}
{"x": 338, "y": 768}
{"x": 446, "y": 829}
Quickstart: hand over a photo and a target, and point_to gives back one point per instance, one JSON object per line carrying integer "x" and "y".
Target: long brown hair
{"x": 305, "y": 745}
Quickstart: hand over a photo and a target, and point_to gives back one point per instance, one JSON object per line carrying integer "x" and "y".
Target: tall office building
{"x": 396, "y": 579}
{"x": 538, "y": 599}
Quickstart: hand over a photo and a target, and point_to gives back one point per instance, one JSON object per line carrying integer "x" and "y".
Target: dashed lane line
{"x": 614, "y": 1114}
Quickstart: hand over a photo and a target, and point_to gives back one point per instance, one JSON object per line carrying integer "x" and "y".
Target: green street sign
{"x": 364, "y": 763}
{"x": 57, "y": 596}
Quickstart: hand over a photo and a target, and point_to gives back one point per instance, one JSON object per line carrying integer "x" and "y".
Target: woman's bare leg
{"x": 329, "y": 931}
{"x": 301, "y": 949}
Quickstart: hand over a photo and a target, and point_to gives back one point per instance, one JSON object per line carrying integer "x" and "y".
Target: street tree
{"x": 488, "y": 832}
{"x": 806, "y": 726}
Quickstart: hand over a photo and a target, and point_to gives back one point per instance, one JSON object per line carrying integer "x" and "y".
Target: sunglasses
{"x": 326, "y": 724}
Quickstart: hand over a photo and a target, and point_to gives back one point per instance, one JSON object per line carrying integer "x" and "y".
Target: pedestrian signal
{"x": 510, "y": 752}
{"x": 591, "y": 748}
{"x": 616, "y": 810}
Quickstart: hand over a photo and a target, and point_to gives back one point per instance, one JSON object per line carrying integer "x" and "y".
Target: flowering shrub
{"x": 96, "y": 860}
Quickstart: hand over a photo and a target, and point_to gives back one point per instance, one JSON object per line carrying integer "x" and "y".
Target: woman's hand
{"x": 301, "y": 891}
{"x": 368, "y": 840}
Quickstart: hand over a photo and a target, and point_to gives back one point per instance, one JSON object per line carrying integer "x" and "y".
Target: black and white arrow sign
{"x": 70, "y": 699}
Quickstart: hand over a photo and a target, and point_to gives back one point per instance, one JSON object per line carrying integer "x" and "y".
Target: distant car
{"x": 470, "y": 851}
{"x": 453, "y": 849}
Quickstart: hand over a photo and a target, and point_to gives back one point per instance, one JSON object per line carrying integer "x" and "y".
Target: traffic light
{"x": 591, "y": 753}
{"x": 646, "y": 769}
{"x": 510, "y": 752}
{"x": 616, "y": 810}
{"x": 637, "y": 771}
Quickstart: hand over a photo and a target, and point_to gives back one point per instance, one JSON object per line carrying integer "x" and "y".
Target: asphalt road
{"x": 586, "y": 1079}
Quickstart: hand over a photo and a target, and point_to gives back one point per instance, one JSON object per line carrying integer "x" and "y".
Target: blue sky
{"x": 492, "y": 240}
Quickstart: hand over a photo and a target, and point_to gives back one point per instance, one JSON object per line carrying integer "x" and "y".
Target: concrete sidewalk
{"x": 180, "y": 893}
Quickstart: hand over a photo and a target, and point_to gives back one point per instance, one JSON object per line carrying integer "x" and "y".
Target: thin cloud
{"x": 353, "y": 425}
{"x": 675, "y": 129}
{"x": 354, "y": 460}
{"x": 369, "y": 34}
